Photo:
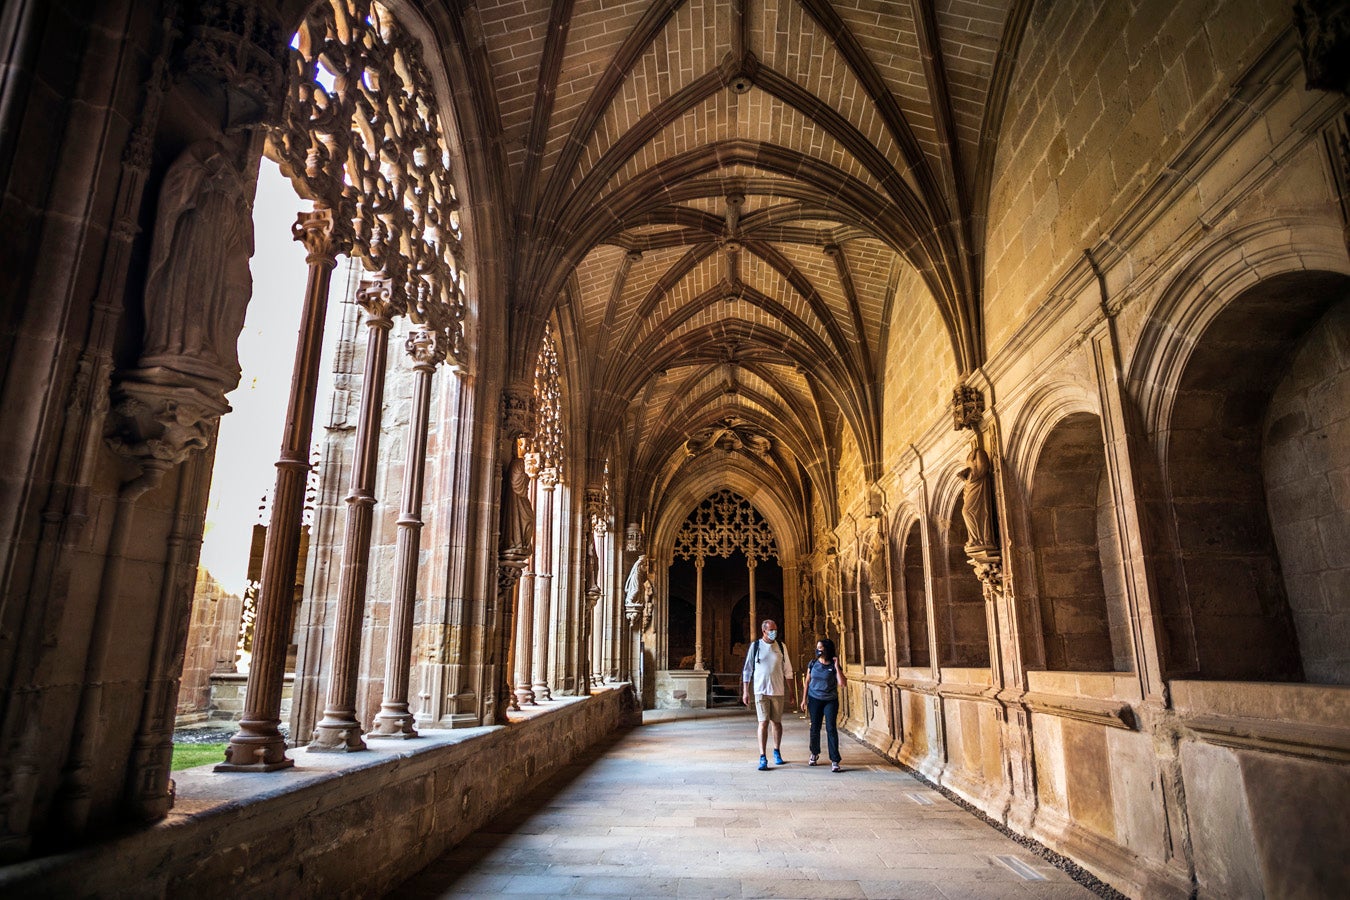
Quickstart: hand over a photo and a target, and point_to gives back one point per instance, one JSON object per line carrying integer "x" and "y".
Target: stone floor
{"x": 677, "y": 809}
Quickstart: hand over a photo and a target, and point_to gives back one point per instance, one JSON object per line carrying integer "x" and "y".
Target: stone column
{"x": 516, "y": 536}
{"x": 543, "y": 583}
{"x": 524, "y": 637}
{"x": 750, "y": 565}
{"x": 339, "y": 731}
{"x": 258, "y": 745}
{"x": 426, "y": 348}
{"x": 698, "y": 613}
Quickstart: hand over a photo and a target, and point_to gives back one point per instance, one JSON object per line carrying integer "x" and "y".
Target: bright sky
{"x": 250, "y": 436}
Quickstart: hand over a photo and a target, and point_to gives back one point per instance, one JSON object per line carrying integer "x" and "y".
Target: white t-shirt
{"x": 771, "y": 674}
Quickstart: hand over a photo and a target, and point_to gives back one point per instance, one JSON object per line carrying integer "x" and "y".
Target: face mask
{"x": 773, "y": 635}
{"x": 820, "y": 652}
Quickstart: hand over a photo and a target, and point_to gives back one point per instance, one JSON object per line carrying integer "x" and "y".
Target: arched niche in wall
{"x": 1256, "y": 474}
{"x": 871, "y": 634}
{"x": 963, "y": 630}
{"x": 848, "y": 589}
{"x": 1079, "y": 576}
{"x": 909, "y": 600}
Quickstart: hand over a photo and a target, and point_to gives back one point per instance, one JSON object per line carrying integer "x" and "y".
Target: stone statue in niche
{"x": 877, "y": 576}
{"x": 978, "y": 503}
{"x": 199, "y": 285}
{"x": 806, "y": 595}
{"x": 517, "y": 542}
{"x": 197, "y": 291}
{"x": 636, "y": 588}
{"x": 592, "y": 569}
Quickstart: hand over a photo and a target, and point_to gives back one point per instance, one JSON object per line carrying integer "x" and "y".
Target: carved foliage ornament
{"x": 360, "y": 133}
{"x": 722, "y": 524}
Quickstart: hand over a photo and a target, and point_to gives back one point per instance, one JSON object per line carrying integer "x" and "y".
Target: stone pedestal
{"x": 681, "y": 689}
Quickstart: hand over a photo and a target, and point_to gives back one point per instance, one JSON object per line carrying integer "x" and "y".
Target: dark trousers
{"x": 828, "y": 710}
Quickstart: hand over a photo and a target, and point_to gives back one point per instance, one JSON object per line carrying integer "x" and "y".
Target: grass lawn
{"x": 185, "y": 756}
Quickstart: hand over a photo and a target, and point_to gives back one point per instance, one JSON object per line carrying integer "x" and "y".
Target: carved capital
{"x": 427, "y": 347}
{"x": 381, "y": 302}
{"x": 548, "y": 477}
{"x": 317, "y": 231}
{"x": 882, "y": 602}
{"x": 967, "y": 407}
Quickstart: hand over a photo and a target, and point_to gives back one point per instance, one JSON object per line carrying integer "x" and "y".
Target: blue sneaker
{"x": 763, "y": 764}
{"x": 777, "y": 757}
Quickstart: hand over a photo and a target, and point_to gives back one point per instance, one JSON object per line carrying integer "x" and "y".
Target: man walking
{"x": 768, "y": 669}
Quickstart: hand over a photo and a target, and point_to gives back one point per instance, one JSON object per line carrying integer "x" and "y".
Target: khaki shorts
{"x": 769, "y": 708}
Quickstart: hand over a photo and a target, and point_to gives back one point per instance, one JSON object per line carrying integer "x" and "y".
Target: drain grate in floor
{"x": 1021, "y": 868}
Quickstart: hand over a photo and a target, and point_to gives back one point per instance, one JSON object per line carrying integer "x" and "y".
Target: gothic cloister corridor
{"x": 675, "y": 808}
{"x": 402, "y": 399}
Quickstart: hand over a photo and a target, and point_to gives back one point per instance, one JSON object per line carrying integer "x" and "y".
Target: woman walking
{"x": 824, "y": 678}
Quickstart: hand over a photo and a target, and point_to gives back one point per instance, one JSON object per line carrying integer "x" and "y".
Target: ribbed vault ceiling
{"x": 725, "y": 194}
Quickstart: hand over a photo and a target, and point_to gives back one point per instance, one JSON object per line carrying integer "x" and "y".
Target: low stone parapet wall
{"x": 336, "y": 825}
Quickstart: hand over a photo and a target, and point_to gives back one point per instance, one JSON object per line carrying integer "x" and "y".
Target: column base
{"x": 393, "y": 735}
{"x": 284, "y": 763}
{"x": 542, "y": 692}
{"x": 524, "y": 697}
{"x": 256, "y": 747}
{"x": 395, "y": 723}
{"x": 333, "y": 736}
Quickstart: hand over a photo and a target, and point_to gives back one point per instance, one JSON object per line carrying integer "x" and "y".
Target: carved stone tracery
{"x": 722, "y": 524}
{"x": 548, "y": 427}
{"x": 360, "y": 133}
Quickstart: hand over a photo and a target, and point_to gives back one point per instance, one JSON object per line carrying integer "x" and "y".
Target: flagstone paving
{"x": 677, "y": 808}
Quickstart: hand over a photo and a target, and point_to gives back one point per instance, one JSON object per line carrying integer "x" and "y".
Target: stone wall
{"x": 345, "y": 825}
{"x": 1307, "y": 479}
{"x": 1204, "y": 341}
{"x": 213, "y": 634}
{"x": 1103, "y": 93}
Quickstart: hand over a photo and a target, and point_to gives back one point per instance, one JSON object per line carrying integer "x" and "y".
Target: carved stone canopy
{"x": 517, "y": 413}
{"x": 1324, "y": 40}
{"x": 237, "y": 47}
{"x": 633, "y": 540}
{"x": 967, "y": 407}
{"x": 730, "y": 435}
